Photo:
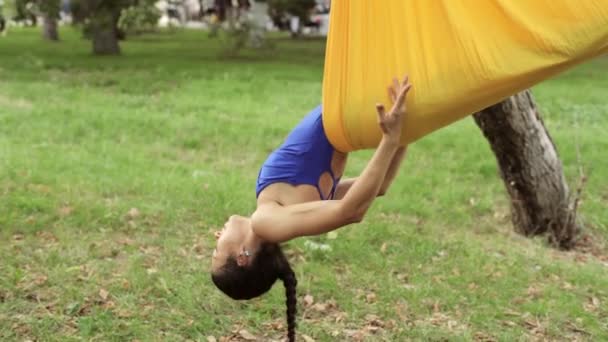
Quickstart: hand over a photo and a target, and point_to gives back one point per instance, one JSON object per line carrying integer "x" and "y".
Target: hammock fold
{"x": 462, "y": 56}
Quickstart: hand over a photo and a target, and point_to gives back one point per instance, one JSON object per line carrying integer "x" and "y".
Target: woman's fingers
{"x": 380, "y": 110}
{"x": 396, "y": 84}
{"x": 406, "y": 89}
{"x": 391, "y": 94}
{"x": 402, "y": 93}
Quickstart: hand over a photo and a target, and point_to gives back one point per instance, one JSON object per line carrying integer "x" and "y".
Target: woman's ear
{"x": 242, "y": 259}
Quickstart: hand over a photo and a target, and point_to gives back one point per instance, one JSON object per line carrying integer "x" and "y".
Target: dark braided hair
{"x": 246, "y": 282}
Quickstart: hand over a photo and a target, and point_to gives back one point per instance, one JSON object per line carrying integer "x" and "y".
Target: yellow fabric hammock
{"x": 461, "y": 55}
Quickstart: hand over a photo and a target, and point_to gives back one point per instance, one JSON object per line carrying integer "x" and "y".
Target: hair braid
{"x": 290, "y": 282}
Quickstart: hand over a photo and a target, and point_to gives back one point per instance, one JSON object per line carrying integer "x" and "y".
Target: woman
{"x": 299, "y": 193}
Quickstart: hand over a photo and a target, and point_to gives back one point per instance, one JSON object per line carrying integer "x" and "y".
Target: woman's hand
{"x": 390, "y": 123}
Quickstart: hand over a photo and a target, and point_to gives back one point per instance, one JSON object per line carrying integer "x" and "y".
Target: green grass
{"x": 175, "y": 131}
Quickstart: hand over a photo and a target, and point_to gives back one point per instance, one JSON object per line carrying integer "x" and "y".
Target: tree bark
{"x": 104, "y": 31}
{"x": 49, "y": 27}
{"x": 531, "y": 169}
{"x": 105, "y": 42}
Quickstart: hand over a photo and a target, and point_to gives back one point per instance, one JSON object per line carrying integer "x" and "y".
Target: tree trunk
{"x": 531, "y": 169}
{"x": 104, "y": 32}
{"x": 105, "y": 42}
{"x": 49, "y": 27}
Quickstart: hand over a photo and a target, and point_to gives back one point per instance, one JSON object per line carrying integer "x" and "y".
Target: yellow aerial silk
{"x": 461, "y": 55}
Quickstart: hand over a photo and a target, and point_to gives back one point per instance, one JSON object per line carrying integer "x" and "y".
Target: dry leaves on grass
{"x": 372, "y": 326}
{"x": 383, "y": 248}
{"x": 535, "y": 326}
{"x": 316, "y": 311}
{"x": 307, "y": 338}
{"x": 247, "y": 336}
{"x": 308, "y": 300}
{"x": 32, "y": 281}
{"x": 47, "y": 237}
{"x": 103, "y": 294}
{"x": 238, "y": 335}
{"x": 534, "y": 292}
{"x": 371, "y": 297}
{"x": 132, "y": 214}
{"x": 483, "y": 337}
{"x": 592, "y": 304}
{"x": 65, "y": 211}
{"x": 576, "y": 329}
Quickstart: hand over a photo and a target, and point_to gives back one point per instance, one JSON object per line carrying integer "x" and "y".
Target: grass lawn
{"x": 115, "y": 171}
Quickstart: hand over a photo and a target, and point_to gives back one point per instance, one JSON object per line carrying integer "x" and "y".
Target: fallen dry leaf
{"x": 308, "y": 338}
{"x": 321, "y": 307}
{"x": 247, "y": 335}
{"x": 65, "y": 211}
{"x": 403, "y": 277}
{"x": 436, "y": 307}
{"x": 126, "y": 241}
{"x": 509, "y": 323}
{"x": 275, "y": 325}
{"x": 592, "y": 305}
{"x": 354, "y": 335}
{"x": 483, "y": 337}
{"x": 534, "y": 292}
{"x": 122, "y": 313}
{"x": 370, "y": 297}
{"x": 383, "y": 248}
{"x": 211, "y": 339}
{"x": 133, "y": 213}
{"x": 374, "y": 321}
{"x": 512, "y": 313}
{"x": 567, "y": 286}
{"x": 40, "y": 279}
{"x": 103, "y": 294}
{"x": 308, "y": 300}
{"x": 47, "y": 236}
{"x": 109, "y": 304}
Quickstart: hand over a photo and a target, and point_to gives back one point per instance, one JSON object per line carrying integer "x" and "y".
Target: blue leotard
{"x": 304, "y": 156}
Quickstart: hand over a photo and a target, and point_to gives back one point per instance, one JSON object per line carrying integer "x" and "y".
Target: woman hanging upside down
{"x": 300, "y": 193}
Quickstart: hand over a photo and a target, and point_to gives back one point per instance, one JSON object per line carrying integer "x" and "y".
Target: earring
{"x": 245, "y": 253}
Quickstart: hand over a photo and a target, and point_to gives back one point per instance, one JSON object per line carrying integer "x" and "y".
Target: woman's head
{"x": 244, "y": 268}
{"x": 236, "y": 240}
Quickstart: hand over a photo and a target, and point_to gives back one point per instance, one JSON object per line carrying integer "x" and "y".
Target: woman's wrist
{"x": 391, "y": 140}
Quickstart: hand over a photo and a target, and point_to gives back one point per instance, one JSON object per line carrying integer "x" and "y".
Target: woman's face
{"x": 230, "y": 240}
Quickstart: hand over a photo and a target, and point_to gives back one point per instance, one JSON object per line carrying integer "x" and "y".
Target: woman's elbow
{"x": 353, "y": 215}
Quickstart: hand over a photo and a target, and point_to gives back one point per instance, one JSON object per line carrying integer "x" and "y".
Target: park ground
{"x": 115, "y": 171}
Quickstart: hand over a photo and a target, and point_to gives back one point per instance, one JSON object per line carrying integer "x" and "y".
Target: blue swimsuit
{"x": 304, "y": 156}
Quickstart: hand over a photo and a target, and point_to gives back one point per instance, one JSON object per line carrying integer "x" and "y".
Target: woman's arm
{"x": 346, "y": 184}
{"x": 392, "y": 170}
{"x": 276, "y": 223}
